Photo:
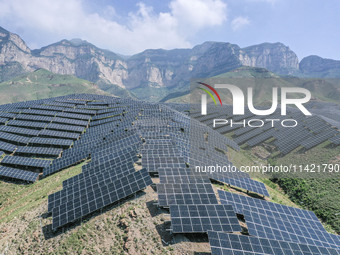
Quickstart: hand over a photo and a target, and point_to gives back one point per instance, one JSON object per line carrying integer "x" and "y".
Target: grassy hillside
{"x": 134, "y": 226}
{"x": 44, "y": 84}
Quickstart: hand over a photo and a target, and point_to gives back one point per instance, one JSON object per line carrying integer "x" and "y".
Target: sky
{"x": 308, "y": 27}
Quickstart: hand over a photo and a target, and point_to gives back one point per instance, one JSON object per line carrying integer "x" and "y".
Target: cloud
{"x": 239, "y": 23}
{"x": 142, "y": 29}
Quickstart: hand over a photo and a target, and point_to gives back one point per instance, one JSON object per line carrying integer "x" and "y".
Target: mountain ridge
{"x": 155, "y": 71}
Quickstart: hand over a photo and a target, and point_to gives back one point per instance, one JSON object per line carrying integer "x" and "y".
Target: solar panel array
{"x": 310, "y": 131}
{"x": 112, "y": 136}
{"x": 225, "y": 243}
{"x": 279, "y": 222}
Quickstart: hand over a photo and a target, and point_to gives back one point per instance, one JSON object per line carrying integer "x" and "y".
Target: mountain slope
{"x": 153, "y": 73}
{"x": 44, "y": 84}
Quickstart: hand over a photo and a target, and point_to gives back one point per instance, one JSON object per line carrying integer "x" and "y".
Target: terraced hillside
{"x": 119, "y": 176}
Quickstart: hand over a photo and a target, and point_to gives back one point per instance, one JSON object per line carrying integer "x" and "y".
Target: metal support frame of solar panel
{"x": 225, "y": 243}
{"x": 120, "y": 169}
{"x": 155, "y": 162}
{"x": 74, "y": 122}
{"x": 37, "y": 151}
{"x": 201, "y": 218}
{"x": 97, "y": 197}
{"x": 268, "y": 227}
{"x": 27, "y": 124}
{"x": 185, "y": 193}
{"x": 244, "y": 183}
{"x": 65, "y": 162}
{"x": 25, "y": 162}
{"x": 18, "y": 174}
{"x": 20, "y": 131}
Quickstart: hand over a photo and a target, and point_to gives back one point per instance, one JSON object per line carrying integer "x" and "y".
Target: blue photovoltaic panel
{"x": 241, "y": 202}
{"x": 23, "y": 161}
{"x": 185, "y": 193}
{"x": 18, "y": 174}
{"x": 244, "y": 183}
{"x": 201, "y": 218}
{"x": 265, "y": 226}
{"x": 96, "y": 197}
{"x": 224, "y": 243}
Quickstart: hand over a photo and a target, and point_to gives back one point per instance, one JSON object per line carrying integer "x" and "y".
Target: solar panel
{"x": 77, "y": 188}
{"x": 240, "y": 202}
{"x": 38, "y": 151}
{"x": 12, "y": 138}
{"x": 185, "y": 193}
{"x": 58, "y": 134}
{"x": 2, "y": 153}
{"x": 225, "y": 243}
{"x": 119, "y": 170}
{"x": 7, "y": 147}
{"x": 18, "y": 174}
{"x": 154, "y": 162}
{"x": 201, "y": 218}
{"x": 3, "y": 121}
{"x": 268, "y": 227}
{"x": 180, "y": 175}
{"x": 22, "y": 161}
{"x": 27, "y": 124}
{"x": 244, "y": 183}
{"x": 34, "y": 118}
{"x": 81, "y": 123}
{"x": 20, "y": 131}
{"x": 63, "y": 127}
{"x": 52, "y": 142}
{"x": 64, "y": 162}
{"x": 96, "y": 197}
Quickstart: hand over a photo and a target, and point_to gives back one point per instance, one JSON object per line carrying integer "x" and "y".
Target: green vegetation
{"x": 44, "y": 84}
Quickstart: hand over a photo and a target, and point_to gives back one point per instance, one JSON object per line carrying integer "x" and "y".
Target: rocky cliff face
{"x": 314, "y": 66}
{"x": 154, "y": 69}
{"x": 275, "y": 57}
